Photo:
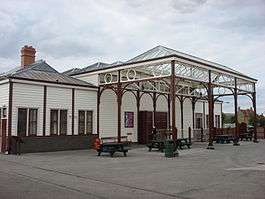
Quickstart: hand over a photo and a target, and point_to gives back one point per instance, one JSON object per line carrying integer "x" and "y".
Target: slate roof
{"x": 41, "y": 71}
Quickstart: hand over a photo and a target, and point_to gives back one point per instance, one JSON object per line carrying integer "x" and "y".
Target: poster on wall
{"x": 129, "y": 119}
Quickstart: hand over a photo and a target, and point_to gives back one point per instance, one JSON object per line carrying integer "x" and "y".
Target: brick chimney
{"x": 27, "y": 56}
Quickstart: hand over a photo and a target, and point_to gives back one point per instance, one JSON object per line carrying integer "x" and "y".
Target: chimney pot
{"x": 27, "y": 55}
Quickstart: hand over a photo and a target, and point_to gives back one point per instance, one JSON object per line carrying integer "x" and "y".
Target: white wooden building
{"x": 58, "y": 111}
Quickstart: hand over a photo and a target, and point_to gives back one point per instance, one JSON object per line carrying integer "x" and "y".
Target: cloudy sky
{"x": 80, "y": 32}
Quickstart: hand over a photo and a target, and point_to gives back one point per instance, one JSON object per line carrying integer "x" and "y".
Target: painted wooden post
{"x": 73, "y": 111}
{"x": 9, "y": 122}
{"x": 119, "y": 101}
{"x": 236, "y": 115}
{"x": 138, "y": 99}
{"x": 173, "y": 100}
{"x": 181, "y": 100}
{"x": 98, "y": 110}
{"x": 211, "y": 112}
{"x": 168, "y": 109}
{"x": 154, "y": 110}
{"x": 193, "y": 102}
{"x": 255, "y": 114}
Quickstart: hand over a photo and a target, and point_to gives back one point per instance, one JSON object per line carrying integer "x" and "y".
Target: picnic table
{"x": 160, "y": 144}
{"x": 111, "y": 148}
{"x": 225, "y": 138}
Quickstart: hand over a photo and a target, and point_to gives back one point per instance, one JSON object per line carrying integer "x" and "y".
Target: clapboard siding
{"x": 86, "y": 100}
{"x": 4, "y": 95}
{"x": 108, "y": 114}
{"x": 27, "y": 96}
{"x": 59, "y": 98}
{"x": 93, "y": 79}
{"x": 129, "y": 104}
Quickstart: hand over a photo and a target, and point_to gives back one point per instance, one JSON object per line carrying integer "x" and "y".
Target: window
{"x": 63, "y": 122}
{"x": 85, "y": 122}
{"x": 33, "y": 121}
{"x": 217, "y": 121}
{"x": 54, "y": 122}
{"x": 4, "y": 112}
{"x": 58, "y": 125}
{"x": 198, "y": 120}
{"x": 22, "y": 122}
{"x": 27, "y": 121}
{"x": 81, "y": 122}
{"x": 89, "y": 122}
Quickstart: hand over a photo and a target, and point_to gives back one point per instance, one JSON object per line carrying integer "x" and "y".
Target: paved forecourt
{"x": 226, "y": 172}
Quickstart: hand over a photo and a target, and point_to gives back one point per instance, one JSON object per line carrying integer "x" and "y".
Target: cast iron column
{"x": 193, "y": 102}
{"x": 236, "y": 115}
{"x": 211, "y": 112}
{"x": 181, "y": 100}
{"x": 138, "y": 111}
{"x": 98, "y": 104}
{"x": 168, "y": 110}
{"x": 119, "y": 100}
{"x": 173, "y": 100}
{"x": 154, "y": 110}
{"x": 255, "y": 115}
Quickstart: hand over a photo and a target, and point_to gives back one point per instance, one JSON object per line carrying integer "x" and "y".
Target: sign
{"x": 129, "y": 119}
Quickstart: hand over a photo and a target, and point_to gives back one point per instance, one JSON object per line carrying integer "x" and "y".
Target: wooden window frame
{"x": 86, "y": 122}
{"x": 59, "y": 122}
{"x": 27, "y": 120}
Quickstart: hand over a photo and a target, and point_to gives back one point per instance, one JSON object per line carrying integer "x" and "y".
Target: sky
{"x": 77, "y": 33}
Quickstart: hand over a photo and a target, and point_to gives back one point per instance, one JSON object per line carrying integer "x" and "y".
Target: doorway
{"x": 3, "y": 135}
{"x": 145, "y": 124}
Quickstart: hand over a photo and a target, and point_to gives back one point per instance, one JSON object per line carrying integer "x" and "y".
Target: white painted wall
{"x": 129, "y": 104}
{"x": 85, "y": 100}
{"x": 93, "y": 79}
{"x": 4, "y": 95}
{"x": 59, "y": 98}
{"x": 27, "y": 96}
{"x": 108, "y": 114}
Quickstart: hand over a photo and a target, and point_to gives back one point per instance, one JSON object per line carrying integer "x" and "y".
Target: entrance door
{"x": 22, "y": 122}
{"x": 161, "y": 120}
{"x": 145, "y": 125}
{"x": 3, "y": 135}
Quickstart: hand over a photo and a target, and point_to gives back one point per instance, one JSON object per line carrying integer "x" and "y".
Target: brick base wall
{"x": 52, "y": 143}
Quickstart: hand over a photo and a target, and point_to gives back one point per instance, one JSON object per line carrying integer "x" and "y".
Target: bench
{"x": 246, "y": 136}
{"x": 160, "y": 145}
{"x": 183, "y": 142}
{"x": 113, "y": 147}
{"x": 226, "y": 138}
